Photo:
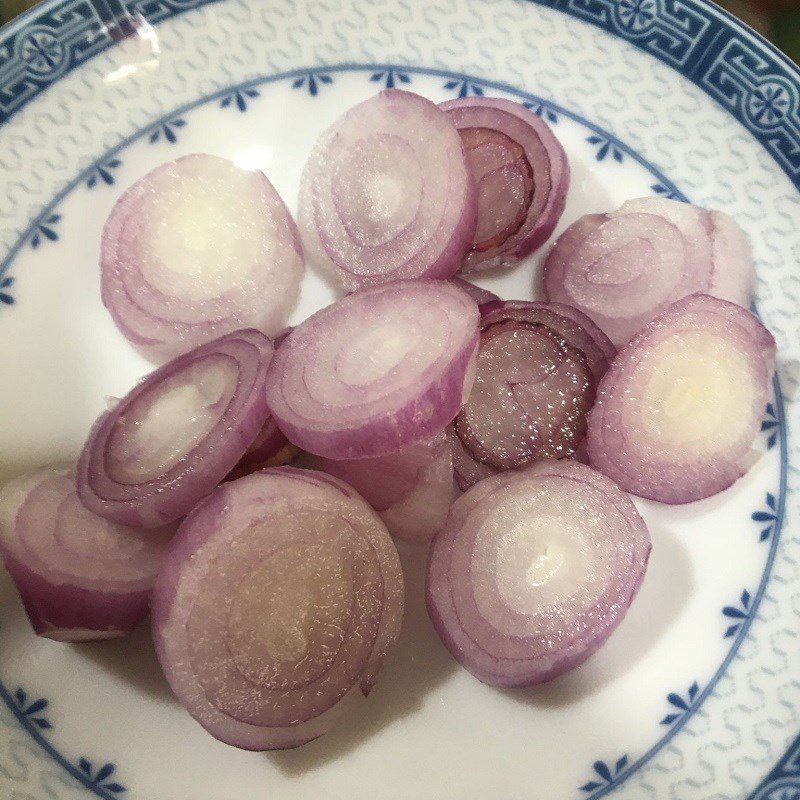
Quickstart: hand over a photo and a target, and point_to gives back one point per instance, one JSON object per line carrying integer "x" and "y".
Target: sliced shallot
{"x": 386, "y": 194}
{"x": 196, "y": 249}
{"x": 677, "y": 412}
{"x": 377, "y": 371}
{"x": 177, "y": 434}
{"x": 278, "y": 600}
{"x": 80, "y": 577}
{"x": 411, "y": 490}
{"x": 533, "y": 571}
{"x": 521, "y": 173}
{"x": 270, "y": 449}
{"x": 537, "y": 370}
{"x": 623, "y": 269}
{"x": 478, "y": 294}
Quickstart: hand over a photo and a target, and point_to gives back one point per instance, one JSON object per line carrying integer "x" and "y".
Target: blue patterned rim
{"x": 743, "y": 72}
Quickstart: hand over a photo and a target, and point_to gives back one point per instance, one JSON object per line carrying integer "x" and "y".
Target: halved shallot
{"x": 195, "y": 249}
{"x": 80, "y": 576}
{"x": 537, "y": 370}
{"x": 521, "y": 173}
{"x": 377, "y": 371}
{"x": 624, "y": 268}
{"x": 411, "y": 490}
{"x": 178, "y": 433}
{"x": 278, "y": 599}
{"x": 386, "y": 194}
{"x": 533, "y": 571}
{"x": 677, "y": 412}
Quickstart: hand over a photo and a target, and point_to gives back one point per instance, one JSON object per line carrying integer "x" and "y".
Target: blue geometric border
{"x": 783, "y": 780}
{"x": 743, "y": 72}
{"x": 629, "y": 768}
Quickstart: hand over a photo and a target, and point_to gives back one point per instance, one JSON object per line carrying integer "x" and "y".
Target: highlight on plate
{"x": 498, "y": 440}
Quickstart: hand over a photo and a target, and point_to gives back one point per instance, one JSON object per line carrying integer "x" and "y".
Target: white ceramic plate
{"x": 696, "y": 695}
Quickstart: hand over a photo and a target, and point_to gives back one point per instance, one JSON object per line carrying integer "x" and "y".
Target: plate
{"x": 696, "y": 695}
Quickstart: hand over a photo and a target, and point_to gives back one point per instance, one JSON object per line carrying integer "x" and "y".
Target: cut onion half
{"x": 278, "y": 600}
{"x": 376, "y": 372}
{"x": 411, "y": 490}
{"x": 196, "y": 249}
{"x": 533, "y": 571}
{"x": 623, "y": 269}
{"x": 677, "y": 412}
{"x": 80, "y": 576}
{"x": 538, "y": 367}
{"x": 521, "y": 173}
{"x": 178, "y": 433}
{"x": 386, "y": 194}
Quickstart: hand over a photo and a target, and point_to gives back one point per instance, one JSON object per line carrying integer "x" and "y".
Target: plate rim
{"x": 111, "y": 33}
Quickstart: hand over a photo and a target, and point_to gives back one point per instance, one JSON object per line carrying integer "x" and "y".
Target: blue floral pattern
{"x": 637, "y": 15}
{"x": 605, "y": 775}
{"x": 543, "y": 110}
{"x": 100, "y": 779}
{"x": 390, "y": 78}
{"x": 42, "y": 52}
{"x": 768, "y": 515}
{"x": 737, "y": 614}
{"x": 768, "y": 104}
{"x": 6, "y": 298}
{"x": 682, "y": 705}
{"x": 32, "y": 709}
{"x": 103, "y": 173}
{"x": 238, "y": 99}
{"x": 45, "y": 230}
{"x": 605, "y": 147}
{"x": 312, "y": 81}
{"x": 465, "y": 87}
{"x": 771, "y": 426}
{"x": 167, "y": 130}
{"x": 666, "y": 192}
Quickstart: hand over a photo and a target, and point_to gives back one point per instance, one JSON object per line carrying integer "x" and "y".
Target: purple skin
{"x": 481, "y": 296}
{"x": 162, "y": 326}
{"x": 231, "y": 509}
{"x": 550, "y": 174}
{"x": 420, "y": 413}
{"x": 511, "y": 660}
{"x": 69, "y": 613}
{"x": 172, "y": 495}
{"x": 630, "y": 456}
{"x": 448, "y": 199}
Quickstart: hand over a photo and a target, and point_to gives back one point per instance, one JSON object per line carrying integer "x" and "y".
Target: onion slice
{"x": 522, "y": 177}
{"x": 480, "y": 295}
{"x": 386, "y": 194}
{"x": 677, "y": 412}
{"x": 624, "y": 268}
{"x": 411, "y": 490}
{"x": 177, "y": 434}
{"x": 196, "y": 249}
{"x": 80, "y": 577}
{"x": 377, "y": 371}
{"x": 278, "y": 600}
{"x": 534, "y": 570}
{"x": 537, "y": 371}
{"x": 270, "y": 449}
